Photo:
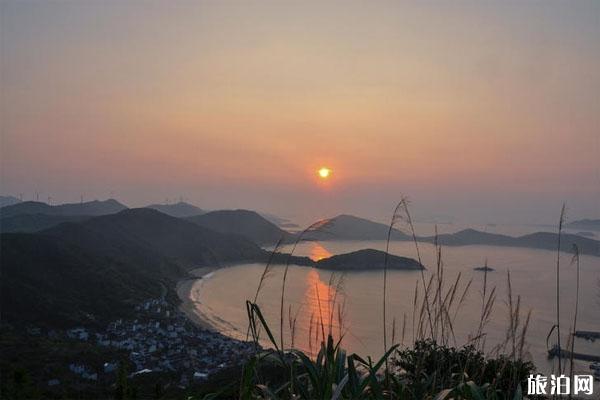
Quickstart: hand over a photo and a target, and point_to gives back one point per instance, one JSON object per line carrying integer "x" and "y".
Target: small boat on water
{"x": 595, "y": 367}
{"x": 555, "y": 351}
{"x": 588, "y": 335}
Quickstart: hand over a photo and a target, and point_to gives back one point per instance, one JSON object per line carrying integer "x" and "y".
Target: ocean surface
{"x": 221, "y": 297}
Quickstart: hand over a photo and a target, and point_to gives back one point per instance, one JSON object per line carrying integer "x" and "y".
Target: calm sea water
{"x": 221, "y": 296}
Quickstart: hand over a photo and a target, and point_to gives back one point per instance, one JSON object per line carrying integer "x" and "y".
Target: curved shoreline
{"x": 188, "y": 306}
{"x": 188, "y": 288}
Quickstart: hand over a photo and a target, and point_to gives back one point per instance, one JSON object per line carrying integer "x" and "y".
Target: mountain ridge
{"x": 350, "y": 227}
{"x": 170, "y": 236}
{"x": 8, "y": 201}
{"x": 30, "y": 223}
{"x": 247, "y": 223}
{"x": 90, "y": 208}
{"x": 179, "y": 210}
{"x": 94, "y": 271}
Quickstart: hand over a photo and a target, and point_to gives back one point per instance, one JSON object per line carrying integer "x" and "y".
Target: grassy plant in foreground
{"x": 395, "y": 217}
{"x": 575, "y": 261}
{"x": 560, "y": 225}
{"x": 426, "y": 371}
{"x": 319, "y": 225}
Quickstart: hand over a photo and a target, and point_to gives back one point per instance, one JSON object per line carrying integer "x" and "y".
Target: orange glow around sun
{"x": 324, "y": 172}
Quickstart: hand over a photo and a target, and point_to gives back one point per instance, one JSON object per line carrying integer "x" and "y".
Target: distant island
{"x": 484, "y": 269}
{"x": 368, "y": 259}
{"x": 586, "y": 234}
{"x": 587, "y": 224}
{"x": 537, "y": 240}
{"x": 348, "y": 227}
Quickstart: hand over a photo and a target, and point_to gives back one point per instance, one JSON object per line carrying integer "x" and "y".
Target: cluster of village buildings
{"x": 161, "y": 339}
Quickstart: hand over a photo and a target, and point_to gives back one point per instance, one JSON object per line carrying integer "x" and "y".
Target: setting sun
{"x": 324, "y": 172}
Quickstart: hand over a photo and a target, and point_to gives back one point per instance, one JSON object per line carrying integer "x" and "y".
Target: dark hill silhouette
{"x": 349, "y": 227}
{"x": 367, "y": 259}
{"x": 152, "y": 231}
{"x": 48, "y": 282}
{"x": 93, "y": 271}
{"x": 29, "y": 223}
{"x": 280, "y": 221}
{"x": 8, "y": 201}
{"x": 471, "y": 236}
{"x": 90, "y": 208}
{"x": 547, "y": 240}
{"x": 244, "y": 222}
{"x": 179, "y": 210}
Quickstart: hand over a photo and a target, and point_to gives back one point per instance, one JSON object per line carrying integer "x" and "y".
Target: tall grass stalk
{"x": 487, "y": 304}
{"x": 336, "y": 285}
{"x": 403, "y": 329}
{"x": 440, "y": 277}
{"x": 313, "y": 227}
{"x": 263, "y": 277}
{"x": 404, "y": 206}
{"x": 292, "y": 322}
{"x": 560, "y": 225}
{"x": 414, "y": 312}
{"x": 320, "y": 312}
{"x": 394, "y": 219}
{"x": 575, "y": 261}
{"x": 267, "y": 270}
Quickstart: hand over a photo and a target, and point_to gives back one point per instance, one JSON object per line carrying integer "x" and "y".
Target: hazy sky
{"x": 481, "y": 111}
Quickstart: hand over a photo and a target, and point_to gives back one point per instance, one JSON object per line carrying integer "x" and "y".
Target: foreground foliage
{"x": 427, "y": 371}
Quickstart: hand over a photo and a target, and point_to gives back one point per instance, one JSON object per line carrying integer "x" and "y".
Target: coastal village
{"x": 160, "y": 340}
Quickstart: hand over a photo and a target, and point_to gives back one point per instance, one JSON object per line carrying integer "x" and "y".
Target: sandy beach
{"x": 188, "y": 305}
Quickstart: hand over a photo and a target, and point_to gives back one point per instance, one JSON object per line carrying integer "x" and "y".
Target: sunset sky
{"x": 481, "y": 112}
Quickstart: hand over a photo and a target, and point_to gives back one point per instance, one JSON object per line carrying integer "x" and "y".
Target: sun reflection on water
{"x": 324, "y": 309}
